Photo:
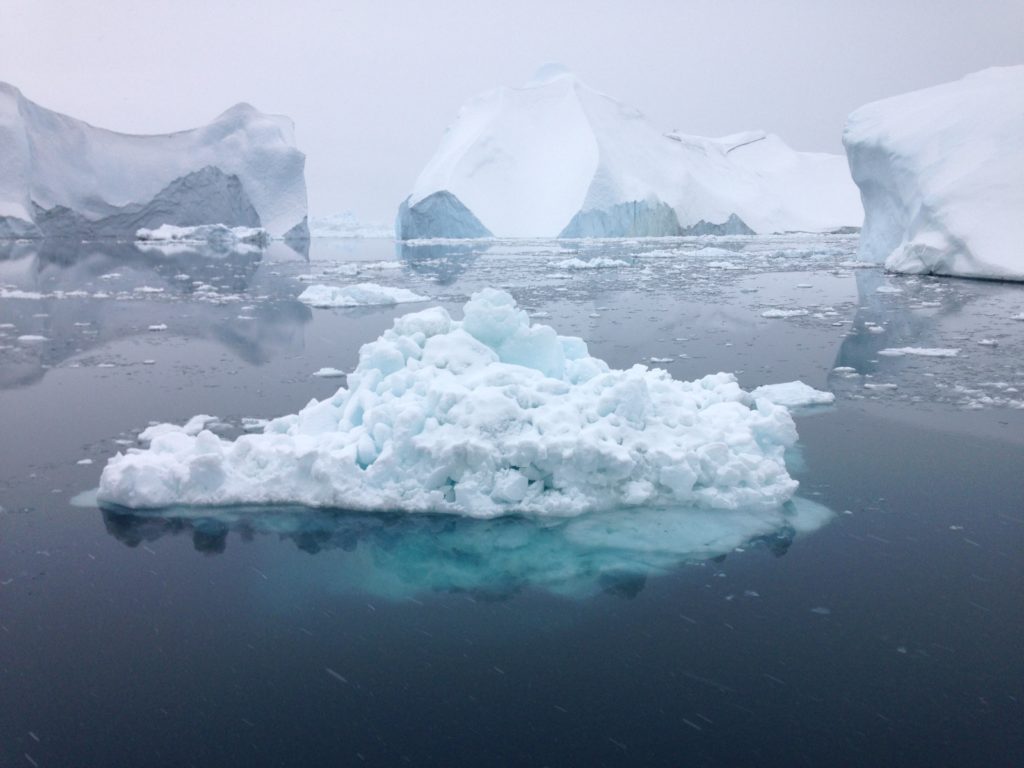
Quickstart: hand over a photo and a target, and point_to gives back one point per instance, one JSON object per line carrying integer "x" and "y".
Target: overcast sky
{"x": 372, "y": 85}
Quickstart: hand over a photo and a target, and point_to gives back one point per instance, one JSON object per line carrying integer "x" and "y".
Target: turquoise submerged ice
{"x": 485, "y": 416}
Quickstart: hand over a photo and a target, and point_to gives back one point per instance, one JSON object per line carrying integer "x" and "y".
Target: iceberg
{"x": 941, "y": 174}
{"x": 483, "y": 417}
{"x": 65, "y": 178}
{"x": 556, "y": 158}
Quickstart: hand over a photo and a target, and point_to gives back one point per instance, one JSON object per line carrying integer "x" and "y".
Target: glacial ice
{"x": 358, "y": 295}
{"x": 213, "y": 234}
{"x": 559, "y": 159}
{"x": 793, "y": 394}
{"x": 64, "y": 177}
{"x": 483, "y": 417}
{"x": 941, "y": 174}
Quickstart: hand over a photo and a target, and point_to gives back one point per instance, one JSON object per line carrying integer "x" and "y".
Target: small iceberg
{"x": 484, "y": 417}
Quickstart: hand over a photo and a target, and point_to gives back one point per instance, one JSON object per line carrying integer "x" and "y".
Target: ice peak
{"x": 548, "y": 73}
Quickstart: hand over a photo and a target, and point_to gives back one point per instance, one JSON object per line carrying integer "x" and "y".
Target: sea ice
{"x": 793, "y": 394}
{"x": 783, "y": 313}
{"x": 919, "y": 352}
{"x": 328, "y": 373}
{"x": 597, "y": 263}
{"x": 485, "y": 416}
{"x": 358, "y": 295}
{"x": 214, "y": 234}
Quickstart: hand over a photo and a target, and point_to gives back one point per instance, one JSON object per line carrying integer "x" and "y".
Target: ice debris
{"x": 485, "y": 416}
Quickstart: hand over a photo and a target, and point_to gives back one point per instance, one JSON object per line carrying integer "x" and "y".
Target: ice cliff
{"x": 484, "y": 416}
{"x": 63, "y": 177}
{"x": 557, "y": 158}
{"x": 941, "y": 174}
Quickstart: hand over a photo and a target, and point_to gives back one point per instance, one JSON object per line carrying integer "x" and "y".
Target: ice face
{"x": 486, "y": 416}
{"x": 941, "y": 174}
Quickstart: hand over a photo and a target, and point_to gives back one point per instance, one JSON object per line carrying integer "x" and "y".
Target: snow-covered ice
{"x": 596, "y": 263}
{"x": 192, "y": 427}
{"x": 214, "y": 234}
{"x": 64, "y": 177}
{"x": 485, "y": 416}
{"x": 328, "y": 373}
{"x": 941, "y": 174}
{"x": 783, "y": 313}
{"x": 919, "y": 352}
{"x": 358, "y": 295}
{"x": 556, "y": 158}
{"x": 793, "y": 394}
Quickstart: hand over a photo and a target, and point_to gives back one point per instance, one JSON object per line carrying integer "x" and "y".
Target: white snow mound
{"x": 941, "y": 174}
{"x": 485, "y": 416}
{"x": 358, "y": 295}
{"x": 64, "y": 177}
{"x": 557, "y": 158}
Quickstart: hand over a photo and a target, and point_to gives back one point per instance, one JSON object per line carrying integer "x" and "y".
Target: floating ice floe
{"x": 598, "y": 263}
{"x": 783, "y": 313}
{"x": 328, "y": 373}
{"x": 485, "y": 416}
{"x": 358, "y": 295}
{"x": 793, "y": 394}
{"x": 919, "y": 352}
{"x": 215, "y": 234}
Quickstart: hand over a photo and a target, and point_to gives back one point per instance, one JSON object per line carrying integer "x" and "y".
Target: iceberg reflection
{"x": 399, "y": 555}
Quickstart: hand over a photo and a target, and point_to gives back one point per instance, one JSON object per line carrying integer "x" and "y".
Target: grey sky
{"x": 372, "y": 85}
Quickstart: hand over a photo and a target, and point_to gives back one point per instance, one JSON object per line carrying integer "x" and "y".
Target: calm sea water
{"x": 882, "y": 627}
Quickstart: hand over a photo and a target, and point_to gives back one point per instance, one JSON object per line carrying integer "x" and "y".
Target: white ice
{"x": 941, "y": 174}
{"x": 205, "y": 233}
{"x": 483, "y": 417}
{"x": 358, "y": 295}
{"x": 919, "y": 352}
{"x": 793, "y": 394}
{"x": 525, "y": 161}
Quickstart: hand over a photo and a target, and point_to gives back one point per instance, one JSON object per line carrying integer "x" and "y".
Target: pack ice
{"x": 941, "y": 174}
{"x": 483, "y": 416}
{"x": 64, "y": 177}
{"x": 556, "y": 158}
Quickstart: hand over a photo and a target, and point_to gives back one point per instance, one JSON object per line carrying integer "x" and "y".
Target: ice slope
{"x": 61, "y": 176}
{"x": 557, "y": 158}
{"x": 485, "y": 416}
{"x": 941, "y": 174}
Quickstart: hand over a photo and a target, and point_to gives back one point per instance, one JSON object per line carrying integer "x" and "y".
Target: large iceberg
{"x": 558, "y": 159}
{"x": 64, "y": 177}
{"x": 941, "y": 174}
{"x": 483, "y": 417}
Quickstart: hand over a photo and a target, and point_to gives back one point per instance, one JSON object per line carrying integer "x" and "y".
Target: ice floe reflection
{"x": 399, "y": 556}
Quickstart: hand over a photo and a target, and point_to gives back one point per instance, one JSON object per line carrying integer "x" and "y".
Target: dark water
{"x": 890, "y": 635}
